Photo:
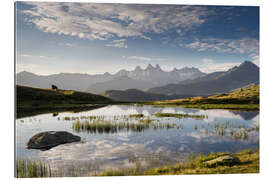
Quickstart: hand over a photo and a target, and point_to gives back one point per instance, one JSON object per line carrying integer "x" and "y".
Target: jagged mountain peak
{"x": 247, "y": 64}
{"x": 107, "y": 74}
{"x": 213, "y": 83}
{"x": 26, "y": 73}
{"x": 150, "y": 67}
{"x": 142, "y": 78}
{"x": 138, "y": 68}
{"x": 189, "y": 69}
{"x": 158, "y": 67}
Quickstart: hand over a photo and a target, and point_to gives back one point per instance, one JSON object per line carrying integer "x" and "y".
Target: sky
{"x": 54, "y": 37}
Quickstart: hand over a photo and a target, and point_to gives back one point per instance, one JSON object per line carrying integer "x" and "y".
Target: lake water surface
{"x": 146, "y": 149}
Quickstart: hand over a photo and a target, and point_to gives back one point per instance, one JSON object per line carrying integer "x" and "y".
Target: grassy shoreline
{"x": 54, "y": 108}
{"x": 243, "y": 99}
{"x": 33, "y": 101}
{"x": 240, "y": 107}
{"x": 249, "y": 163}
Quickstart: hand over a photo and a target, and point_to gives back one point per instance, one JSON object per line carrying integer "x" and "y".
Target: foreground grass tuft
{"x": 28, "y": 168}
{"x": 249, "y": 163}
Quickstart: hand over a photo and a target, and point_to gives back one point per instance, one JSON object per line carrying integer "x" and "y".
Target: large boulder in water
{"x": 49, "y": 139}
{"x": 227, "y": 160}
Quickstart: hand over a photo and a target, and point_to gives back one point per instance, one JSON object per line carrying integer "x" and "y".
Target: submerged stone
{"x": 49, "y": 139}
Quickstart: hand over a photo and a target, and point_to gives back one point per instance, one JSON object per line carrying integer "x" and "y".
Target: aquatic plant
{"x": 100, "y": 126}
{"x": 136, "y": 115}
{"x": 28, "y": 168}
{"x": 181, "y": 116}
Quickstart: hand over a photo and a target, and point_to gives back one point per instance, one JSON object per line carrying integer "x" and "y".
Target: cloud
{"x": 66, "y": 44}
{"x": 140, "y": 58}
{"x": 26, "y": 67}
{"x": 210, "y": 65}
{"x": 25, "y": 55}
{"x": 208, "y": 61}
{"x": 120, "y": 43}
{"x": 255, "y": 58}
{"x": 33, "y": 56}
{"x": 106, "y": 21}
{"x": 240, "y": 46}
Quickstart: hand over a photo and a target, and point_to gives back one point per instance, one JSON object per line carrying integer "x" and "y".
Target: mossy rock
{"x": 49, "y": 139}
{"x": 227, "y": 160}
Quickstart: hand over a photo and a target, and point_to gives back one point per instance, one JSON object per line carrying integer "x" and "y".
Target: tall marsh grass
{"x": 100, "y": 126}
{"x": 28, "y": 168}
{"x": 181, "y": 116}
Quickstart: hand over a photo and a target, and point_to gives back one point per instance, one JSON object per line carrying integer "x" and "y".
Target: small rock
{"x": 49, "y": 139}
{"x": 227, "y": 160}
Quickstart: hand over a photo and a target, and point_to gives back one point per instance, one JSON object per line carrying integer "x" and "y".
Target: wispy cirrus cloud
{"x": 105, "y": 21}
{"x": 26, "y": 66}
{"x": 33, "y": 56}
{"x": 210, "y": 65}
{"x": 25, "y": 55}
{"x": 241, "y": 46}
{"x": 249, "y": 46}
{"x": 67, "y": 44}
{"x": 140, "y": 58}
{"x": 207, "y": 61}
{"x": 120, "y": 43}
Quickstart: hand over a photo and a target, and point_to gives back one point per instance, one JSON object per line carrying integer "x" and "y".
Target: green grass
{"x": 180, "y": 116}
{"x": 243, "y": 99}
{"x": 38, "y": 95}
{"x": 33, "y": 169}
{"x": 114, "y": 124}
{"x": 223, "y": 106}
{"x": 101, "y": 126}
{"x": 31, "y": 101}
{"x": 136, "y": 115}
{"x": 249, "y": 163}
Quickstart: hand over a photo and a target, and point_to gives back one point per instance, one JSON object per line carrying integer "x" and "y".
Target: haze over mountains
{"x": 138, "y": 79}
{"x": 151, "y": 83}
{"x": 217, "y": 82}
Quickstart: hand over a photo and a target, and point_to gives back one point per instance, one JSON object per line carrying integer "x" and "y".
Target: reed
{"x": 28, "y": 168}
{"x": 136, "y": 115}
{"x": 101, "y": 126}
{"x": 181, "y": 116}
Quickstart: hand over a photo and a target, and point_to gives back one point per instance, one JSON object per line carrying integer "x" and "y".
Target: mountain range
{"x": 138, "y": 79}
{"x": 217, "y": 82}
{"x": 135, "y": 95}
{"x": 151, "y": 83}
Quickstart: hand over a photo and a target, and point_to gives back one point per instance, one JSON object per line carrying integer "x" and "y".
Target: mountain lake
{"x": 159, "y": 141}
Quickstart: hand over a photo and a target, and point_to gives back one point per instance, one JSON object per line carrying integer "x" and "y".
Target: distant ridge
{"x": 139, "y": 79}
{"x": 217, "y": 82}
{"x": 135, "y": 95}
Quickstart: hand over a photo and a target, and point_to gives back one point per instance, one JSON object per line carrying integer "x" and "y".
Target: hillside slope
{"x": 48, "y": 95}
{"x": 246, "y": 99}
{"x": 135, "y": 95}
{"x": 31, "y": 100}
